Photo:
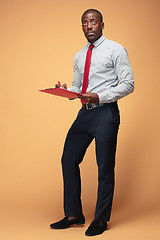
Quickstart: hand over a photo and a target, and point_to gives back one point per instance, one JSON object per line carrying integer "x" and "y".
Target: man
{"x": 102, "y": 73}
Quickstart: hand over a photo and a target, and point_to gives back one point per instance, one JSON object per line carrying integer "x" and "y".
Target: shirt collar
{"x": 97, "y": 42}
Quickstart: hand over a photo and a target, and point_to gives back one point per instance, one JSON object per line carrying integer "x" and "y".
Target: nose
{"x": 89, "y": 25}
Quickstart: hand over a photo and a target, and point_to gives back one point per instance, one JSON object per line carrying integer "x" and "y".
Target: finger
{"x": 57, "y": 86}
{"x": 83, "y": 98}
{"x": 85, "y": 95}
{"x": 64, "y": 86}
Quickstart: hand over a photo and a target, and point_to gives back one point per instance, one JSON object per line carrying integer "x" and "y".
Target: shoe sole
{"x": 91, "y": 235}
{"x": 73, "y": 225}
{"x": 77, "y": 225}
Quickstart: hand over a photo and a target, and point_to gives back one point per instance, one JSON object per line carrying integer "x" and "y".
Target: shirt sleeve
{"x": 125, "y": 77}
{"x": 76, "y": 84}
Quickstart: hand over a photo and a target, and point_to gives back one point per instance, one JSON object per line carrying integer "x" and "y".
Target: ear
{"x": 102, "y": 26}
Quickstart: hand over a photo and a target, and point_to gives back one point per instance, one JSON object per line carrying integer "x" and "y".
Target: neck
{"x": 90, "y": 41}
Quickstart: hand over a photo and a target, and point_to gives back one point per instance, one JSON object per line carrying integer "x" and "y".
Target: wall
{"x": 38, "y": 42}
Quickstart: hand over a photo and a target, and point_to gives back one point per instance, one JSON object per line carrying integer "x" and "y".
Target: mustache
{"x": 90, "y": 31}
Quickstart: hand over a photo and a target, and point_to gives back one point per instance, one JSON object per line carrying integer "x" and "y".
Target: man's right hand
{"x": 62, "y": 86}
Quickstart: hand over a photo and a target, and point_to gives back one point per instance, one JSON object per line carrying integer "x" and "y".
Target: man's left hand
{"x": 90, "y": 97}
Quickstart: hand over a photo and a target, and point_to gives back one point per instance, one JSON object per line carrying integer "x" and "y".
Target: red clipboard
{"x": 61, "y": 92}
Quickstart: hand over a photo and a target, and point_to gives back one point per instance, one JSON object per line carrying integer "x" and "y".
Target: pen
{"x": 59, "y": 84}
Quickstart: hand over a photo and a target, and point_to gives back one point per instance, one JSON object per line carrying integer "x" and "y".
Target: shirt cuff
{"x": 102, "y": 97}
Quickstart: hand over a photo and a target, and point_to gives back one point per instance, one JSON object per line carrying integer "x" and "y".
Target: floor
{"x": 26, "y": 224}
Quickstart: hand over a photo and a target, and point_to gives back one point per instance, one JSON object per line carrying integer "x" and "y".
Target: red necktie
{"x": 86, "y": 70}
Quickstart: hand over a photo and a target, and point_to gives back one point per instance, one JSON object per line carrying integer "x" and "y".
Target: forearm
{"x": 115, "y": 93}
{"x": 74, "y": 88}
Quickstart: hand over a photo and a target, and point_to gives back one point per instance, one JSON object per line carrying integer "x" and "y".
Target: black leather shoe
{"x": 65, "y": 223}
{"x": 96, "y": 228}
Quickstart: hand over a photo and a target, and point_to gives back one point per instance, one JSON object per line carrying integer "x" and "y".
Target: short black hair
{"x": 93, "y": 10}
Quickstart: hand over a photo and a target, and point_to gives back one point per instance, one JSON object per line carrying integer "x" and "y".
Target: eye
{"x": 84, "y": 23}
{"x": 94, "y": 22}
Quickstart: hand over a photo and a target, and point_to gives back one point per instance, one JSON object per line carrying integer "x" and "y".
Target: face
{"x": 92, "y": 26}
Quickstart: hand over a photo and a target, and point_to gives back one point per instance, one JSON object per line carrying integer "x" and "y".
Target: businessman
{"x": 102, "y": 73}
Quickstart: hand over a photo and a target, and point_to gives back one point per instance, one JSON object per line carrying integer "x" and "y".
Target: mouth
{"x": 90, "y": 33}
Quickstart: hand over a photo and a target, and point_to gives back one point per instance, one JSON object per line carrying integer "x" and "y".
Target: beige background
{"x": 39, "y": 39}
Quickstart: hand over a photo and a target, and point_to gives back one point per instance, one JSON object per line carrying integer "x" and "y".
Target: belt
{"x": 89, "y": 106}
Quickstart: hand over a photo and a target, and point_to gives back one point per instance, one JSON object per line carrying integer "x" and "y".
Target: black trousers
{"x": 101, "y": 123}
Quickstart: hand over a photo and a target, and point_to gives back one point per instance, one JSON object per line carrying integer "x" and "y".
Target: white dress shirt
{"x": 110, "y": 74}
